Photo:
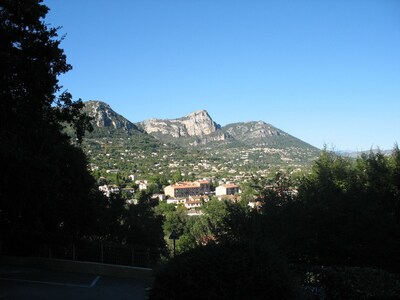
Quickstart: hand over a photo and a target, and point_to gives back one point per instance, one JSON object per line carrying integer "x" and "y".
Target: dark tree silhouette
{"x": 44, "y": 182}
{"x": 346, "y": 213}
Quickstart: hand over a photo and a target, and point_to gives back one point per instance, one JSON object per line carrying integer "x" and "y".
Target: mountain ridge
{"x": 193, "y": 145}
{"x": 195, "y": 129}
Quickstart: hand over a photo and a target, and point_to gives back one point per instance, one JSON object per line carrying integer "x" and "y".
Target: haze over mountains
{"x": 196, "y": 129}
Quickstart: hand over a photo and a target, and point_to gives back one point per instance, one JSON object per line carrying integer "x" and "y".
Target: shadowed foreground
{"x": 35, "y": 283}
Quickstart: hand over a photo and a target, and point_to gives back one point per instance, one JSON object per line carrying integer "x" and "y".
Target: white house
{"x": 107, "y": 190}
{"x": 227, "y": 189}
{"x": 175, "y": 200}
{"x": 160, "y": 197}
{"x": 204, "y": 198}
{"x": 143, "y": 184}
{"x": 193, "y": 204}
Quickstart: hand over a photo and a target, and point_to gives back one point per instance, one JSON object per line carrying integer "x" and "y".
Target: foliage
{"x": 320, "y": 282}
{"x": 215, "y": 214}
{"x": 44, "y": 186}
{"x": 346, "y": 213}
{"x": 130, "y": 224}
{"x": 220, "y": 221}
{"x": 176, "y": 219}
{"x": 359, "y": 283}
{"x": 252, "y": 270}
{"x": 143, "y": 226}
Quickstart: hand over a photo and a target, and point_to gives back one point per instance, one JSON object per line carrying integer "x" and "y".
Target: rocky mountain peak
{"x": 199, "y": 113}
{"x": 104, "y": 116}
{"x": 198, "y": 123}
{"x": 197, "y": 128}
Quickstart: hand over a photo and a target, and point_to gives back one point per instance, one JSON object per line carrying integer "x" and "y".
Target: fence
{"x": 89, "y": 251}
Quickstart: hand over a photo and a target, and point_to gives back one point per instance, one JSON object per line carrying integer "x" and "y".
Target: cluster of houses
{"x": 109, "y": 189}
{"x": 191, "y": 194}
{"x": 194, "y": 194}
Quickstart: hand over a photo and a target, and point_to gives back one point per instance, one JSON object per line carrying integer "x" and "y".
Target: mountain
{"x": 198, "y": 128}
{"x": 194, "y": 145}
{"x": 262, "y": 134}
{"x": 104, "y": 118}
{"x": 198, "y": 123}
{"x": 356, "y": 154}
{"x": 195, "y": 129}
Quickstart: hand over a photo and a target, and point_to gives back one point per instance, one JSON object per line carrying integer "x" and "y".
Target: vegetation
{"x": 344, "y": 215}
{"x": 145, "y": 157}
{"x": 359, "y": 283}
{"x": 341, "y": 220}
{"x": 236, "y": 270}
{"x": 47, "y": 193}
{"x": 44, "y": 185}
{"x": 249, "y": 148}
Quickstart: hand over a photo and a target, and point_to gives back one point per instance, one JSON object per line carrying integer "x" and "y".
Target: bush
{"x": 360, "y": 283}
{"x": 251, "y": 270}
{"x": 347, "y": 283}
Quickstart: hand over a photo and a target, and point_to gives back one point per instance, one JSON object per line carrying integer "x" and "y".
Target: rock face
{"x": 104, "y": 116}
{"x": 261, "y": 134}
{"x": 217, "y": 136}
{"x": 252, "y": 130}
{"x": 198, "y": 123}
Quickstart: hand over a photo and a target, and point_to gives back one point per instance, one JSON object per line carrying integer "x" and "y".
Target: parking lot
{"x": 35, "y": 283}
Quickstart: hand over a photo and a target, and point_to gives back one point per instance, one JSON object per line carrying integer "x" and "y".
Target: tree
{"x": 346, "y": 213}
{"x": 177, "y": 176}
{"x": 45, "y": 186}
{"x": 144, "y": 227}
{"x": 216, "y": 213}
{"x": 235, "y": 270}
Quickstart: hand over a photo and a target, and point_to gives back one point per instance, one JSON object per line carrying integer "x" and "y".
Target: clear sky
{"x": 327, "y": 72}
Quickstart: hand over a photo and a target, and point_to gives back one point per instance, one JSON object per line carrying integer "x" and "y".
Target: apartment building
{"x": 187, "y": 188}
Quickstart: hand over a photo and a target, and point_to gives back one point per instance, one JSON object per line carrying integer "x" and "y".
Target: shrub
{"x": 245, "y": 270}
{"x": 360, "y": 283}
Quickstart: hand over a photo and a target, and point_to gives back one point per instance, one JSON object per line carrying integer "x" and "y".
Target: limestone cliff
{"x": 196, "y": 124}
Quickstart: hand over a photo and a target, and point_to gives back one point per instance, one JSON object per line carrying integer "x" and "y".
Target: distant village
{"x": 191, "y": 194}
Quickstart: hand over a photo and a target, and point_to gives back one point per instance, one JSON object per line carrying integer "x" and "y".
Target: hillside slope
{"x": 194, "y": 144}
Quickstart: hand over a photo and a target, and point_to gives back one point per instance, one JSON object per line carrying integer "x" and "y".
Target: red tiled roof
{"x": 230, "y": 185}
{"x": 188, "y": 184}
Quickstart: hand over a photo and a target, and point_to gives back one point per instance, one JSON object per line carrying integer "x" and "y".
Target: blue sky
{"x": 327, "y": 72}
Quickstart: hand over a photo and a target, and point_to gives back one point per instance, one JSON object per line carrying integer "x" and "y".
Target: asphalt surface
{"x": 31, "y": 283}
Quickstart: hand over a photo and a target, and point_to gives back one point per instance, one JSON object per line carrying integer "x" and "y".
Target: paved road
{"x": 31, "y": 283}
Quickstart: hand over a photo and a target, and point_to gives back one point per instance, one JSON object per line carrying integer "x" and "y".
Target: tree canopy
{"x": 347, "y": 212}
{"x": 44, "y": 186}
